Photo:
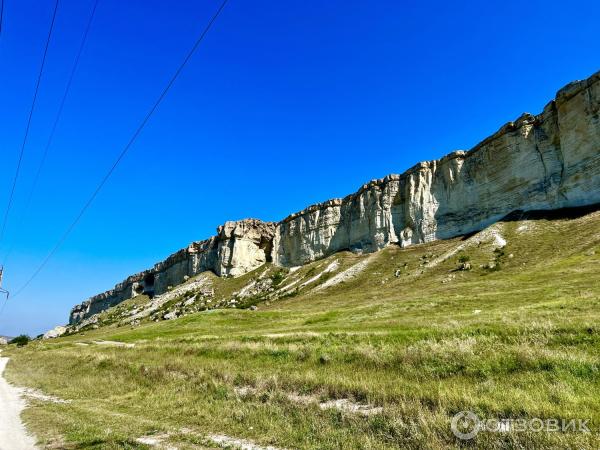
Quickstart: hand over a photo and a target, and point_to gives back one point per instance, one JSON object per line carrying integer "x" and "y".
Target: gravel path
{"x": 13, "y": 435}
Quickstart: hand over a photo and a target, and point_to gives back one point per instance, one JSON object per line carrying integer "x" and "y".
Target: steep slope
{"x": 508, "y": 245}
{"x": 548, "y": 161}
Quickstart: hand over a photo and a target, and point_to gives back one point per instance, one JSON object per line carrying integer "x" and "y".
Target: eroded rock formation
{"x": 238, "y": 247}
{"x": 547, "y": 161}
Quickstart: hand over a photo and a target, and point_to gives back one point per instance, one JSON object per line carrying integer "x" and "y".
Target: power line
{"x": 37, "y": 87}
{"x": 125, "y": 149}
{"x": 1, "y": 15}
{"x": 3, "y": 291}
{"x": 56, "y": 120}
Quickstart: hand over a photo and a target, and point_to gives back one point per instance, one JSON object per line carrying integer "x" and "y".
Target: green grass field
{"x": 410, "y": 339}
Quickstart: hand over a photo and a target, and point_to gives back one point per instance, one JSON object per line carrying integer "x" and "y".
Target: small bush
{"x": 325, "y": 276}
{"x": 310, "y": 272}
{"x": 324, "y": 359}
{"x": 21, "y": 341}
{"x": 464, "y": 259}
{"x": 278, "y": 277}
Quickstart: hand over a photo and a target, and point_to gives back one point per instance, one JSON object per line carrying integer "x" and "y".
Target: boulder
{"x": 464, "y": 266}
{"x": 55, "y": 332}
{"x": 170, "y": 315}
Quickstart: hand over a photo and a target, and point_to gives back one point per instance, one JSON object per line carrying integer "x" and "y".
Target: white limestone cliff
{"x": 537, "y": 162}
{"x": 238, "y": 248}
{"x": 547, "y": 161}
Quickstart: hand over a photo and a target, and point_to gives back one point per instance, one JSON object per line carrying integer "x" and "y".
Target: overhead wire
{"x": 56, "y": 121}
{"x": 120, "y": 157}
{"x": 1, "y": 15}
{"x": 22, "y": 151}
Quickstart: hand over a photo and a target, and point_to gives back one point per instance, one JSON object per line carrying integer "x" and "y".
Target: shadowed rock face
{"x": 548, "y": 161}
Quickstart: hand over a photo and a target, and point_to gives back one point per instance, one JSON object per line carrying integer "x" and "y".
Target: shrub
{"x": 21, "y": 340}
{"x": 324, "y": 359}
{"x": 464, "y": 258}
{"x": 278, "y": 277}
{"x": 325, "y": 276}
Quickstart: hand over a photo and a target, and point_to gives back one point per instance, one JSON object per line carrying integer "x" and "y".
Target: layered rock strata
{"x": 238, "y": 247}
{"x": 548, "y": 161}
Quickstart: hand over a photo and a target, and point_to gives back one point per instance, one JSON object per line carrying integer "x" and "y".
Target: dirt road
{"x": 13, "y": 435}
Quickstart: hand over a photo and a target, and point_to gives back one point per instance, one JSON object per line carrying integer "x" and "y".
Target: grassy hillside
{"x": 355, "y": 351}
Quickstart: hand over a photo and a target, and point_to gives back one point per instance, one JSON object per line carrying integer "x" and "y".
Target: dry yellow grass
{"x": 518, "y": 341}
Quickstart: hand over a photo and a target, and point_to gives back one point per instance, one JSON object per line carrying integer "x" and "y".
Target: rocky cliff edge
{"x": 545, "y": 161}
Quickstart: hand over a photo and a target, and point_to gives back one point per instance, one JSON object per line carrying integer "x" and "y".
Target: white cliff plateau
{"x": 542, "y": 162}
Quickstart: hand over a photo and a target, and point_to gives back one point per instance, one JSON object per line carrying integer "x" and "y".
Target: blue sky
{"x": 285, "y": 104}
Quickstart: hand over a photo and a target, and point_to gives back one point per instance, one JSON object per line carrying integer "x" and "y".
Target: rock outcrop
{"x": 55, "y": 332}
{"x": 548, "y": 161}
{"x": 238, "y": 247}
{"x": 537, "y": 162}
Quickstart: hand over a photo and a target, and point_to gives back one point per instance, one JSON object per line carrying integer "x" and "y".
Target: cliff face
{"x": 238, "y": 247}
{"x": 537, "y": 162}
{"x": 547, "y": 161}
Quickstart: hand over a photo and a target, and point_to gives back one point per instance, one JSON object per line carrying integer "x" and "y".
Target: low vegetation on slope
{"x": 354, "y": 351}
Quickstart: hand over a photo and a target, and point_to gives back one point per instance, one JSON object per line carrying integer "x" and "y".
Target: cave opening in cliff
{"x": 149, "y": 285}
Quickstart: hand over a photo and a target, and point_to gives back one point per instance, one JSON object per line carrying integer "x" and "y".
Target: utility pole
{"x": 3, "y": 291}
